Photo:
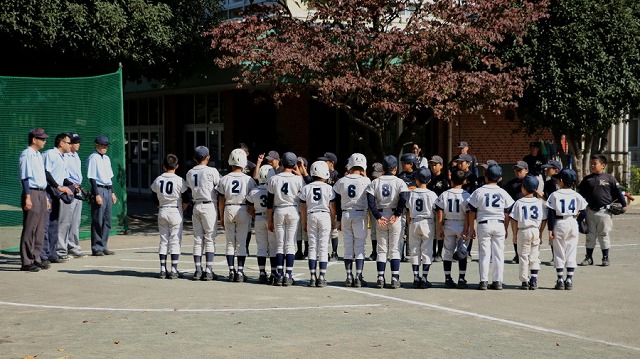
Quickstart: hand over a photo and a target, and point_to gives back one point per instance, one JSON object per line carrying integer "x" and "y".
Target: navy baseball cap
{"x": 273, "y": 155}
{"x": 423, "y": 175}
{"x": 489, "y": 163}
{"x": 436, "y": 159}
{"x": 464, "y": 157}
{"x": 553, "y": 164}
{"x": 289, "y": 160}
{"x": 74, "y": 137}
{"x": 463, "y": 144}
{"x": 408, "y": 158}
{"x": 102, "y": 140}
{"x": 522, "y": 165}
{"x": 568, "y": 176}
{"x": 530, "y": 183}
{"x": 389, "y": 162}
{"x": 328, "y": 156}
{"x": 493, "y": 173}
{"x": 200, "y": 153}
{"x": 304, "y": 161}
{"x": 39, "y": 133}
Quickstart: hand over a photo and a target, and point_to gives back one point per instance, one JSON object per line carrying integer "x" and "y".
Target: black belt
{"x": 169, "y": 207}
{"x": 203, "y": 202}
{"x": 318, "y": 212}
{"x": 234, "y": 204}
{"x": 36, "y": 189}
{"x": 286, "y": 205}
{"x": 260, "y": 214}
{"x": 487, "y": 221}
{"x": 105, "y": 187}
{"x": 353, "y": 210}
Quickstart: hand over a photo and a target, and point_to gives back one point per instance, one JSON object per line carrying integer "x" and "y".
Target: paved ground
{"x": 114, "y": 307}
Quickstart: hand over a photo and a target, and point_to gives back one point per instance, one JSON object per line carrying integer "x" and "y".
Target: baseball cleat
{"x": 263, "y": 278}
{"x": 197, "y": 275}
{"x": 483, "y": 285}
{"x": 559, "y": 284}
{"x": 605, "y": 261}
{"x": 568, "y": 285}
{"x": 496, "y": 285}
{"x": 348, "y": 282}
{"x": 449, "y": 283}
{"x": 321, "y": 282}
{"x": 587, "y": 261}
{"x": 462, "y": 283}
{"x": 395, "y": 283}
{"x": 174, "y": 275}
{"x": 524, "y": 286}
{"x": 162, "y": 275}
{"x": 359, "y": 283}
{"x": 380, "y": 282}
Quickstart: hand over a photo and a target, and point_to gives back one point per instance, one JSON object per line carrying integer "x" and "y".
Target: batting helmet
{"x": 357, "y": 160}
{"x": 320, "y": 169}
{"x": 461, "y": 251}
{"x": 238, "y": 158}
{"x": 265, "y": 172}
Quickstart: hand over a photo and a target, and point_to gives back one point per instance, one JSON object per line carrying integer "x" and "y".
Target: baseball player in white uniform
{"x": 451, "y": 221}
{"x": 318, "y": 210}
{"x": 283, "y": 216}
{"x": 352, "y": 216}
{"x": 169, "y": 188}
{"x": 386, "y": 198}
{"x": 233, "y": 189}
{"x": 490, "y": 205}
{"x": 202, "y": 180}
{"x": 265, "y": 239}
{"x": 421, "y": 222}
{"x": 528, "y": 214}
{"x": 564, "y": 205}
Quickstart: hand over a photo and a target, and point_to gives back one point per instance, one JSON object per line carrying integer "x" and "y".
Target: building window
{"x": 634, "y": 135}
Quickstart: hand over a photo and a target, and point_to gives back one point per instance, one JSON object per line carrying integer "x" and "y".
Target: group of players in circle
{"x": 437, "y": 207}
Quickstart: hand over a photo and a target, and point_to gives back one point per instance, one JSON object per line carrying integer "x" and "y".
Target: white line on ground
{"x": 187, "y": 309}
{"x": 488, "y": 317}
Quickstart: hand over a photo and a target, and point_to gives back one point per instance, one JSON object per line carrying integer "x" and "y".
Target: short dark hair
{"x": 458, "y": 177}
{"x": 243, "y": 146}
{"x": 600, "y": 157}
{"x": 170, "y": 162}
{"x": 60, "y": 137}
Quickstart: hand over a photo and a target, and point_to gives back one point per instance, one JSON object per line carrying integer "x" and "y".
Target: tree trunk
{"x": 580, "y": 150}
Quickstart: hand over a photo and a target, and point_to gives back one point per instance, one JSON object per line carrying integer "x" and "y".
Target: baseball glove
{"x": 582, "y": 225}
{"x": 616, "y": 208}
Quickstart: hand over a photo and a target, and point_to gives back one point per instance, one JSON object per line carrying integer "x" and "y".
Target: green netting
{"x": 89, "y": 106}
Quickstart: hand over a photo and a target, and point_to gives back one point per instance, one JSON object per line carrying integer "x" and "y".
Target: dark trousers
{"x": 101, "y": 221}
{"x": 33, "y": 228}
{"x": 50, "y": 245}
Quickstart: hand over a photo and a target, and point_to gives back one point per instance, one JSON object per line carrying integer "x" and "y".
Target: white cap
{"x": 238, "y": 158}
{"x": 320, "y": 169}
{"x": 357, "y": 160}
{"x": 265, "y": 173}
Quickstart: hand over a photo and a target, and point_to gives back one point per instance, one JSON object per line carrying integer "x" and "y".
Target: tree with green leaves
{"x": 382, "y": 61}
{"x": 585, "y": 71}
{"x": 160, "y": 40}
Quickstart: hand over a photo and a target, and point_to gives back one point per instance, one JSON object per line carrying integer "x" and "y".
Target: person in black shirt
{"x": 438, "y": 184}
{"x": 534, "y": 159}
{"x": 473, "y": 162}
{"x": 600, "y": 189}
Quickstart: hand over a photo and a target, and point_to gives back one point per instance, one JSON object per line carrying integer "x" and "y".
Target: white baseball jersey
{"x": 491, "y": 201}
{"x": 317, "y": 196}
{"x": 285, "y": 188}
{"x": 235, "y": 186}
{"x": 566, "y": 202}
{"x": 453, "y": 203}
{"x": 387, "y": 189}
{"x": 258, "y": 196}
{"x": 169, "y": 188}
{"x": 421, "y": 203}
{"x": 203, "y": 180}
{"x": 529, "y": 212}
{"x": 352, "y": 190}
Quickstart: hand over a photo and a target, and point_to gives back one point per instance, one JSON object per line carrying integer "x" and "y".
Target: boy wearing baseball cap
{"x": 564, "y": 205}
{"x": 529, "y": 214}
